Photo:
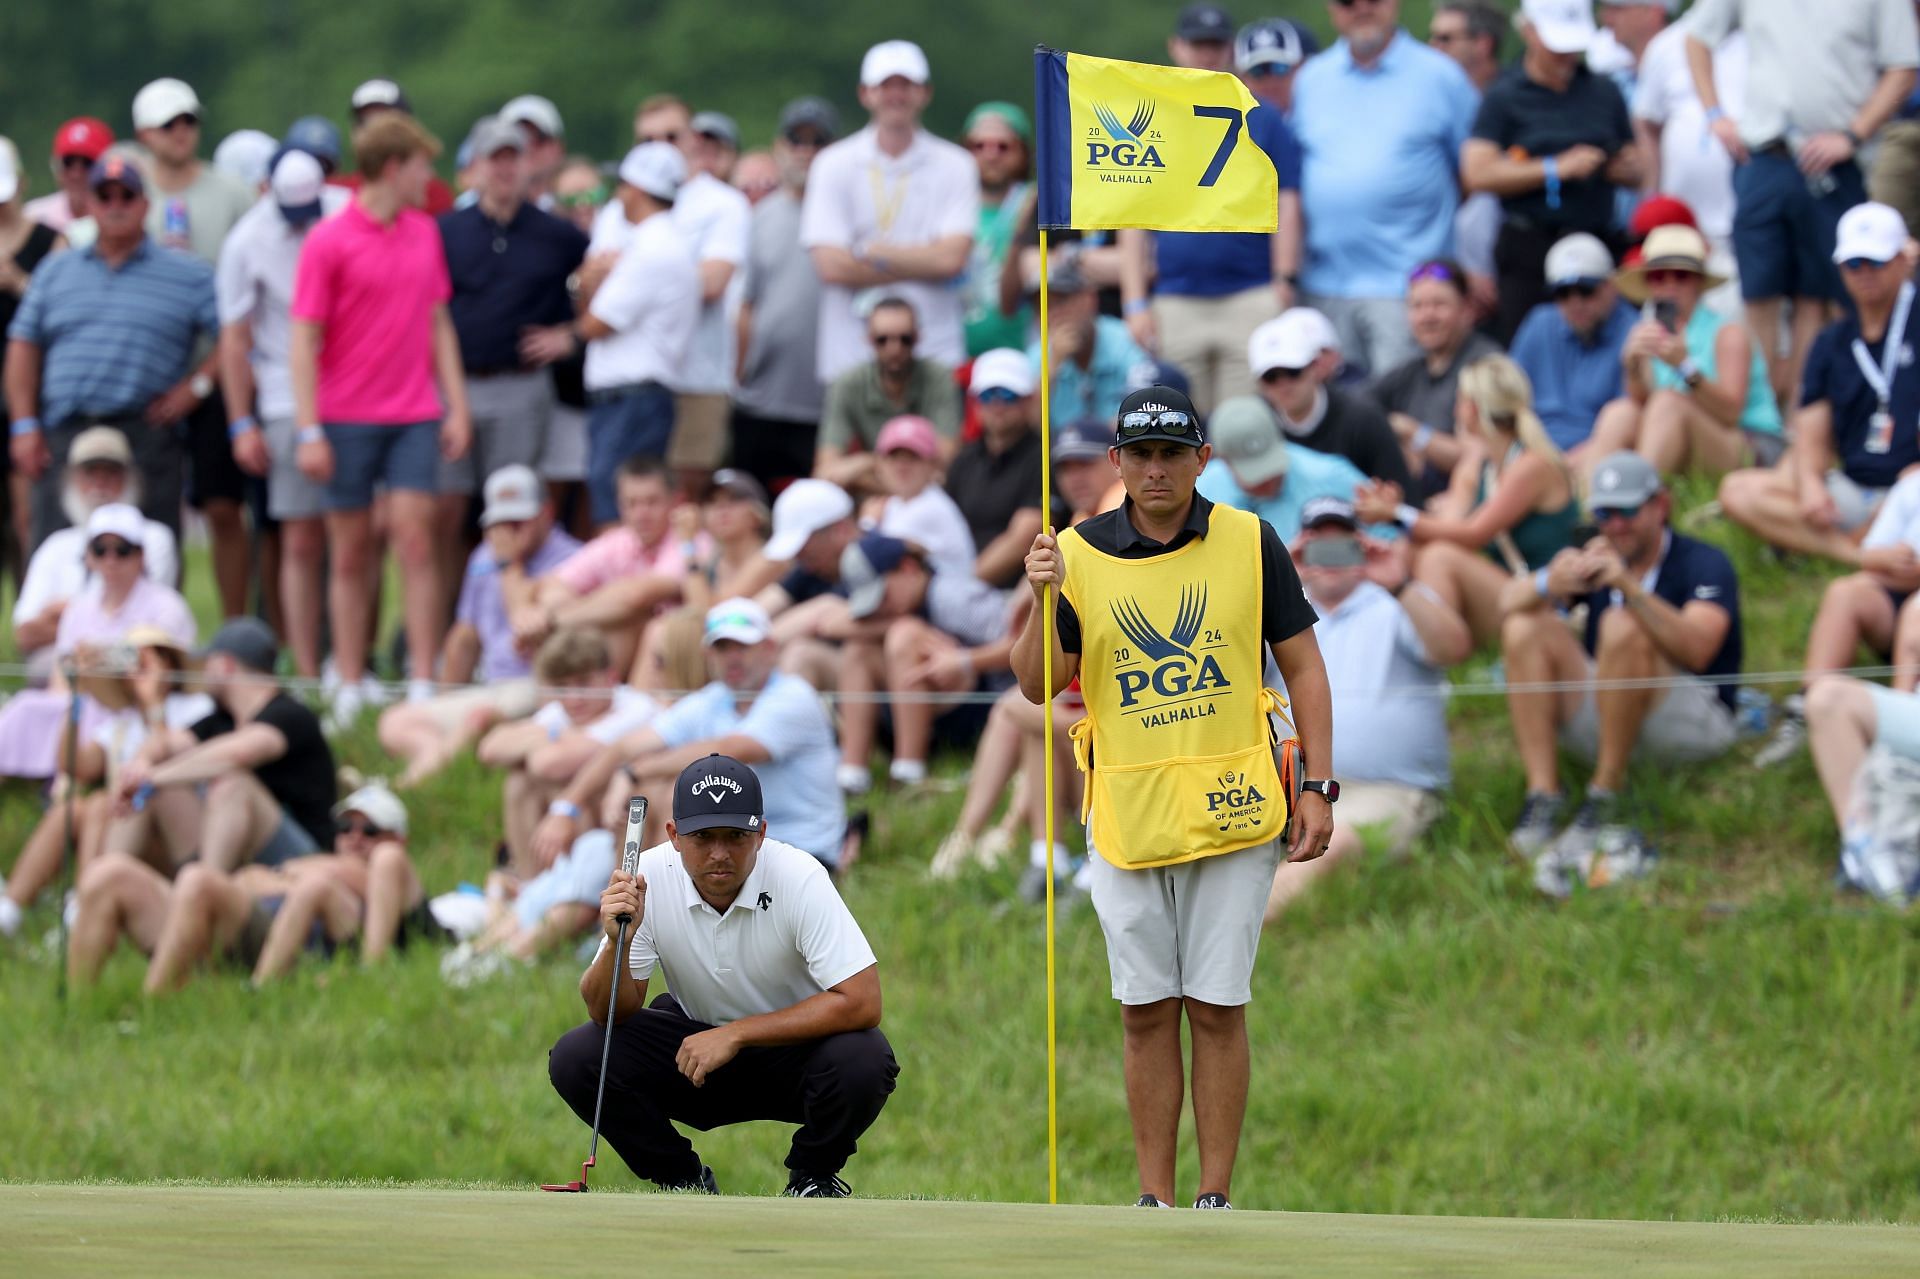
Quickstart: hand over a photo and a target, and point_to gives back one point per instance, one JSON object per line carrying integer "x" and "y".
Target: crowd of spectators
{"x": 698, "y": 450}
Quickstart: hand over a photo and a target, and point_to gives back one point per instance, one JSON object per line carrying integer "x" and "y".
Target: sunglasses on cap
{"x": 1272, "y": 376}
{"x": 1144, "y": 422}
{"x": 997, "y": 395}
{"x": 355, "y": 824}
{"x": 1578, "y": 289}
{"x": 896, "y": 339}
{"x": 103, "y": 549}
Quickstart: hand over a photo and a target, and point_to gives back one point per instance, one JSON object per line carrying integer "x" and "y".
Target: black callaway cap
{"x": 718, "y": 791}
{"x": 1158, "y": 413}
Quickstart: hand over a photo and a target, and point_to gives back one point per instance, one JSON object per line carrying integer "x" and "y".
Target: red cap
{"x": 84, "y": 136}
{"x": 910, "y": 432}
{"x": 1661, "y": 210}
{"x": 1632, "y": 257}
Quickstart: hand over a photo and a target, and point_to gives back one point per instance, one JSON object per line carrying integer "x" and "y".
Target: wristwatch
{"x": 1691, "y": 373}
{"x": 1328, "y": 789}
{"x": 201, "y": 385}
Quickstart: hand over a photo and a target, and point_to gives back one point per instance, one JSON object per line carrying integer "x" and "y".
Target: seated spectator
{"x": 1684, "y": 629}
{"x": 1697, "y": 393}
{"x": 1419, "y": 395}
{"x": 1858, "y": 426}
{"x": 729, "y": 559}
{"x": 870, "y": 394}
{"x": 918, "y": 630}
{"x": 813, "y": 524}
{"x": 1570, "y": 348}
{"x": 1255, "y": 469}
{"x": 912, "y": 504}
{"x": 1872, "y": 606}
{"x": 521, "y": 543}
{"x": 1846, "y": 718}
{"x": 99, "y": 470}
{"x": 268, "y": 916}
{"x": 252, "y": 782}
{"x": 588, "y": 709}
{"x": 1288, "y": 356}
{"x": 1388, "y": 640}
{"x": 619, "y": 579}
{"x": 773, "y": 721}
{"x": 1095, "y": 358}
{"x": 995, "y": 480}
{"x": 132, "y": 685}
{"x": 118, "y": 596}
{"x": 1082, "y": 469}
{"x": 1509, "y": 510}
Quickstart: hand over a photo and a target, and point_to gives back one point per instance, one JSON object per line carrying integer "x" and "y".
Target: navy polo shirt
{"x": 1217, "y": 264}
{"x": 1690, "y": 570}
{"x": 1520, "y": 113}
{"x": 506, "y": 278}
{"x": 1833, "y": 375}
{"x": 113, "y": 338}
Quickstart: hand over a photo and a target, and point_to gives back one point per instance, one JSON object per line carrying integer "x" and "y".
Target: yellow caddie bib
{"x": 1176, "y": 739}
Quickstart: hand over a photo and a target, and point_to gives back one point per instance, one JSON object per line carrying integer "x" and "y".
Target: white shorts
{"x": 1689, "y": 724}
{"x": 1854, "y": 505}
{"x": 1190, "y": 930}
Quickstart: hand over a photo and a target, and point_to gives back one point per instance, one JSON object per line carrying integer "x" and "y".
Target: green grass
{"x": 1731, "y": 1040}
{"x": 405, "y": 1231}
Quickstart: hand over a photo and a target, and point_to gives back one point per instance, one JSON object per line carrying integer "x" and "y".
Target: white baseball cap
{"x": 1291, "y": 340}
{"x": 657, "y": 168}
{"x": 1578, "y": 259}
{"x": 117, "y": 519}
{"x": 163, "y": 100}
{"x": 1873, "y": 231}
{"x": 1004, "y": 369}
{"x": 512, "y": 493}
{"x": 377, "y": 93}
{"x": 892, "y": 58}
{"x": 806, "y": 507}
{"x": 531, "y": 108}
{"x": 244, "y": 156}
{"x": 9, "y": 171}
{"x": 1564, "y": 26}
{"x": 378, "y": 805}
{"x": 738, "y": 619}
{"x": 297, "y": 183}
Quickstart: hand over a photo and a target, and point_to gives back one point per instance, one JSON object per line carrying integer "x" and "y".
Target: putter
{"x": 629, "y": 862}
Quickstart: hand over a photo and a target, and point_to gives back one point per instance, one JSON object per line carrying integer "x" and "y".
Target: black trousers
{"x": 1520, "y": 271}
{"x": 772, "y": 451}
{"x": 833, "y": 1088}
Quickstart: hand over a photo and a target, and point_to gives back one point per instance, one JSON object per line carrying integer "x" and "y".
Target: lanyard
{"x": 888, "y": 196}
{"x": 1880, "y": 376}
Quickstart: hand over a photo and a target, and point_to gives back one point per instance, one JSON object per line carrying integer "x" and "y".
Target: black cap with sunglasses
{"x": 1158, "y": 413}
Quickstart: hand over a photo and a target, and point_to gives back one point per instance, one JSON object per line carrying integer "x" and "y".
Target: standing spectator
{"x": 756, "y": 175}
{"x": 915, "y": 508}
{"x": 891, "y": 208}
{"x": 246, "y": 156}
{"x": 106, "y": 335}
{"x": 1570, "y": 347}
{"x": 1663, "y": 638}
{"x": 23, "y": 244}
{"x": 1381, "y": 119}
{"x": 369, "y": 101}
{"x": 1267, "y": 53}
{"x": 77, "y": 144}
{"x": 1818, "y": 92}
{"x": 776, "y": 410}
{"x": 995, "y": 480}
{"x": 545, "y": 132}
{"x": 1001, "y": 139}
{"x": 508, "y": 263}
{"x": 371, "y": 338}
{"x": 1095, "y": 359}
{"x": 1858, "y": 426}
{"x": 1619, "y": 48}
{"x": 1681, "y": 157}
{"x": 1255, "y": 468}
{"x": 717, "y": 145}
{"x": 255, "y": 287}
{"x": 1697, "y": 394}
{"x": 1419, "y": 395}
{"x": 1287, "y": 355}
{"x": 1191, "y": 298}
{"x": 1470, "y": 32}
{"x": 898, "y": 379}
{"x": 1553, "y": 141}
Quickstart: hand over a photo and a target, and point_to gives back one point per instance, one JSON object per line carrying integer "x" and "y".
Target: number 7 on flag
{"x": 1233, "y": 118}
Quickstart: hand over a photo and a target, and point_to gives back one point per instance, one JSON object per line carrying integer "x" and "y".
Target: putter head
{"x": 573, "y": 1187}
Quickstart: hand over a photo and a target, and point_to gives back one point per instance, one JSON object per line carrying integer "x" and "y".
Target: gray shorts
{"x": 564, "y": 456}
{"x": 1190, "y": 930}
{"x": 289, "y": 840}
{"x": 1688, "y": 724}
{"x": 510, "y": 416}
{"x": 1854, "y": 504}
{"x": 290, "y": 494}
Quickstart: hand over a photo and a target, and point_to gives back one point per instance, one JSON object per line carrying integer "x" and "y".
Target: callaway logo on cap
{"x": 718, "y": 792}
{"x": 712, "y": 787}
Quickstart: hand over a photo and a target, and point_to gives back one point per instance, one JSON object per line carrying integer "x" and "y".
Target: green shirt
{"x": 857, "y": 407}
{"x": 987, "y": 328}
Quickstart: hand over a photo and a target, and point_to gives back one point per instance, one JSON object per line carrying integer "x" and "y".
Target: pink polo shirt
{"x": 374, "y": 288}
{"x": 618, "y": 553}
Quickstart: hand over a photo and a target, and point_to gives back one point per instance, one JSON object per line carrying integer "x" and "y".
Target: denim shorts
{"x": 289, "y": 840}
{"x": 390, "y": 457}
{"x": 635, "y": 422}
{"x": 1783, "y": 232}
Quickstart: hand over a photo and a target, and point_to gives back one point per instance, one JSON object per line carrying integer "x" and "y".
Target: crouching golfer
{"x": 775, "y": 1010}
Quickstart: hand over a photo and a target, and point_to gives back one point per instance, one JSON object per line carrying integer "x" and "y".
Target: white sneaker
{"x": 420, "y": 690}
{"x": 907, "y": 772}
{"x": 1789, "y": 738}
{"x": 853, "y": 779}
{"x": 955, "y": 851}
{"x": 69, "y": 910}
{"x": 373, "y": 692}
{"x": 9, "y": 915}
{"x": 348, "y": 701}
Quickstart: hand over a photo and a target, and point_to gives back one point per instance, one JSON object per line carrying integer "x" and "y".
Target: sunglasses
{"x": 1860, "y": 264}
{"x": 358, "y": 825}
{"x": 102, "y": 549}
{"x": 114, "y": 195}
{"x": 671, "y": 137}
{"x": 991, "y": 146}
{"x": 71, "y": 162}
{"x": 806, "y": 138}
{"x": 997, "y": 395}
{"x": 1169, "y": 420}
{"x": 582, "y": 199}
{"x": 1562, "y": 292}
{"x": 1333, "y": 552}
{"x": 1441, "y": 39}
{"x": 1667, "y": 276}
{"x": 1271, "y": 376}
{"x": 181, "y": 122}
{"x": 1605, "y": 513}
{"x": 896, "y": 339}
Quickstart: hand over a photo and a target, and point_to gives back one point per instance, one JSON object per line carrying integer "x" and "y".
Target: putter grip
{"x": 630, "y": 849}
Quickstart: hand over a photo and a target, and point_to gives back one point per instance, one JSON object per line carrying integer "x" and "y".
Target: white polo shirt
{"x": 786, "y": 938}
{"x": 713, "y": 219}
{"x": 254, "y": 281}
{"x": 651, "y": 301}
{"x": 859, "y": 197}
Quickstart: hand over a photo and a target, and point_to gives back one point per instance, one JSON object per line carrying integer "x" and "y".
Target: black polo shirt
{"x": 1284, "y": 611}
{"x": 1517, "y": 112}
{"x": 506, "y": 278}
{"x": 990, "y": 487}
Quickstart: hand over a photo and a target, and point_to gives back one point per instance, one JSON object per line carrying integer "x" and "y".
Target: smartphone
{"x": 1666, "y": 313}
{"x": 1582, "y": 534}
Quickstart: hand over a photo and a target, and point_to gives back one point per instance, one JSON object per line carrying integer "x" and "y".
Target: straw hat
{"x": 1674, "y": 247}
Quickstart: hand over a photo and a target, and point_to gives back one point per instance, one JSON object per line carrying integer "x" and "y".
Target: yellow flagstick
{"x": 1046, "y": 715}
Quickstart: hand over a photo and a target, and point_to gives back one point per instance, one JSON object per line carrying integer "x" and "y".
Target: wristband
{"x": 24, "y": 426}
{"x": 1715, "y": 114}
{"x": 1134, "y": 307}
{"x": 564, "y": 808}
{"x": 1422, "y": 436}
{"x": 1690, "y": 372}
{"x": 1406, "y": 515}
{"x": 310, "y": 435}
{"x": 1540, "y": 584}
{"x": 240, "y": 426}
{"x": 1853, "y": 139}
{"x": 1550, "y": 169}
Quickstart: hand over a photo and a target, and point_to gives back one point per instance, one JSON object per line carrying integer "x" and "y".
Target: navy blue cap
{"x": 317, "y": 136}
{"x": 1087, "y": 438}
{"x": 1202, "y": 21}
{"x": 864, "y": 566}
{"x": 717, "y": 792}
{"x": 1158, "y": 413}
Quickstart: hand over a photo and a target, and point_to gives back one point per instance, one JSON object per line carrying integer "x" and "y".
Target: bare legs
{"x": 1155, "y": 1087}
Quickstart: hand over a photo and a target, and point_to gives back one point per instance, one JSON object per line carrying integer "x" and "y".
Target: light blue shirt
{"x": 1379, "y": 178}
{"x": 1119, "y": 365}
{"x": 1572, "y": 378}
{"x": 1389, "y": 699}
{"x": 787, "y": 718}
{"x": 1310, "y": 474}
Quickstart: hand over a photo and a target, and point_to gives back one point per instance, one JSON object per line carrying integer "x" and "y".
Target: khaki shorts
{"x": 1386, "y": 815}
{"x": 1689, "y": 724}
{"x": 700, "y": 438}
{"x": 1190, "y": 930}
{"x": 511, "y": 698}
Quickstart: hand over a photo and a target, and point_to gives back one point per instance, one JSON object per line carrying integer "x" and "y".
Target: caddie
{"x": 1167, "y": 607}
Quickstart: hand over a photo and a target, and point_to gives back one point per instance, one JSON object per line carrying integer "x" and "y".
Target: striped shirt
{"x": 114, "y": 338}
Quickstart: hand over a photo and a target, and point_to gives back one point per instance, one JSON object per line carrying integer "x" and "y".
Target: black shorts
{"x": 774, "y": 452}
{"x": 212, "y": 474}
